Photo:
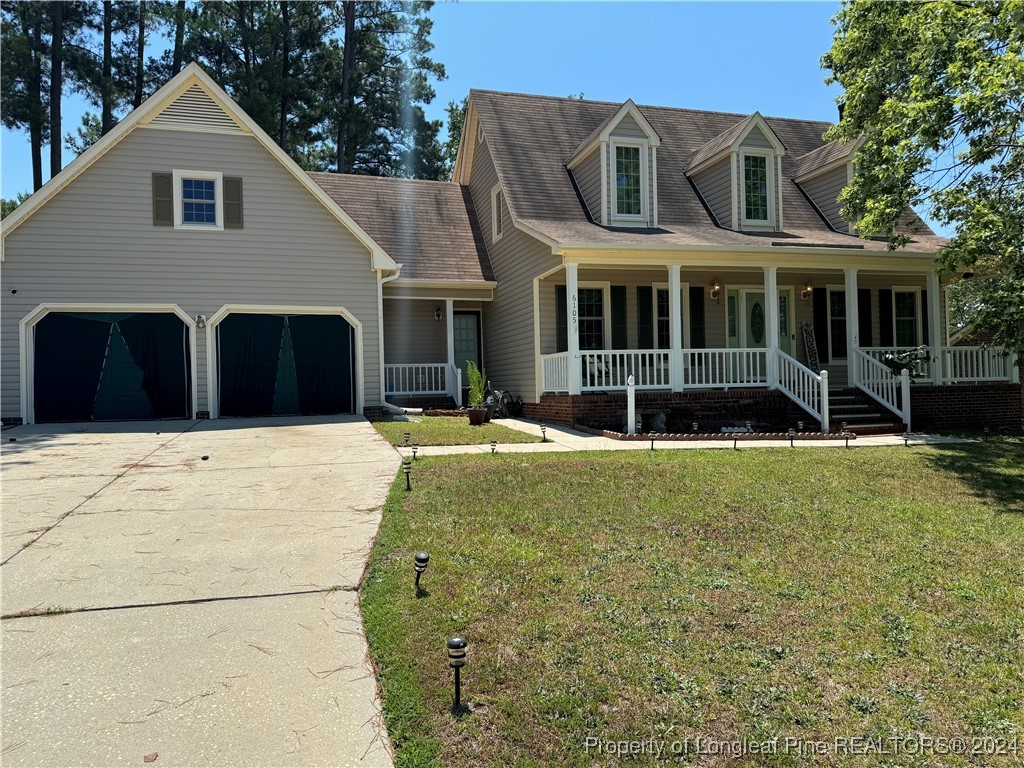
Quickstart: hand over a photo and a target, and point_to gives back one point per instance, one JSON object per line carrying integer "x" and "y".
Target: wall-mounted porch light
{"x": 438, "y": 314}
{"x": 716, "y": 290}
{"x": 807, "y": 291}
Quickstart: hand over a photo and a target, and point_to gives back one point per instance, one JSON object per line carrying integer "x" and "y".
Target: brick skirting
{"x": 966, "y": 406}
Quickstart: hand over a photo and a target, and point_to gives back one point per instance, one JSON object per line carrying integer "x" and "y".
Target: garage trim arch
{"x": 26, "y": 342}
{"x": 212, "y": 390}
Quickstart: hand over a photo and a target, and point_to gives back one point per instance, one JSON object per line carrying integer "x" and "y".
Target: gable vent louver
{"x": 194, "y": 109}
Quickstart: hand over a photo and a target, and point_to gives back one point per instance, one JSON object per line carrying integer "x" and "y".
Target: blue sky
{"x": 732, "y": 57}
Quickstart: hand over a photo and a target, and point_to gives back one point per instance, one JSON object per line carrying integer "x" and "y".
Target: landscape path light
{"x": 419, "y": 564}
{"x": 792, "y": 433}
{"x": 405, "y": 437}
{"x": 494, "y": 446}
{"x": 457, "y": 660}
{"x": 415, "y": 448}
{"x": 407, "y": 468}
{"x": 543, "y": 432}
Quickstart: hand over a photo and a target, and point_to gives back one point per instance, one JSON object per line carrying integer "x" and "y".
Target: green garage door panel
{"x": 111, "y": 366}
{"x": 281, "y": 365}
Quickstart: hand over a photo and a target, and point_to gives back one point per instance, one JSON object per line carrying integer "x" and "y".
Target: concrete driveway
{"x": 200, "y": 583}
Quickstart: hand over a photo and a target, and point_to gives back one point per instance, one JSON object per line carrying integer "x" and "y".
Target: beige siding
{"x": 716, "y": 190}
{"x": 756, "y": 139}
{"x": 508, "y": 320}
{"x": 95, "y": 243}
{"x": 824, "y": 192}
{"x": 412, "y": 334}
{"x": 627, "y": 127}
{"x": 588, "y": 179}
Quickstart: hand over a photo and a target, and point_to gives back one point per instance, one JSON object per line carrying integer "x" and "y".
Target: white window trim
{"x": 497, "y": 228}
{"x": 643, "y": 217}
{"x": 765, "y": 224}
{"x": 916, "y": 290}
{"x": 606, "y": 305}
{"x": 684, "y": 312}
{"x": 218, "y": 186}
{"x": 829, "y": 290}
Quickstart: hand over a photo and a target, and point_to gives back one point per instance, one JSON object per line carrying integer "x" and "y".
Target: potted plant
{"x": 477, "y": 387}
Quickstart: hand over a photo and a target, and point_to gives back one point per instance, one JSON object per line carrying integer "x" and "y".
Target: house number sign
{"x": 574, "y": 313}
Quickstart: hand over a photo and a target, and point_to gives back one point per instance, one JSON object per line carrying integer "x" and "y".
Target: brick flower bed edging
{"x": 716, "y": 435}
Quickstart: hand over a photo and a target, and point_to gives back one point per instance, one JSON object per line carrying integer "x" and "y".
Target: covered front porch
{"x": 680, "y": 328}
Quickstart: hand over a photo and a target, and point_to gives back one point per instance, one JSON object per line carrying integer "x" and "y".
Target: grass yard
{"x": 449, "y": 430}
{"x": 800, "y": 593}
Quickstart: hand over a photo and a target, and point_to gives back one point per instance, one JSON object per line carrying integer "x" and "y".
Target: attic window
{"x": 630, "y": 179}
{"x": 755, "y": 187}
{"x": 198, "y": 200}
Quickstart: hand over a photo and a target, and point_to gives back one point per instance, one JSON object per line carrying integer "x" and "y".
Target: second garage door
{"x": 279, "y": 365}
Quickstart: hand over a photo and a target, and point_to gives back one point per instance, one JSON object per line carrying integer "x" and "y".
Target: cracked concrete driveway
{"x": 206, "y": 576}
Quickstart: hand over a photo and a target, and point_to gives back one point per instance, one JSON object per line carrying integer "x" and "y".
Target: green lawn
{"x": 800, "y": 593}
{"x": 449, "y": 430}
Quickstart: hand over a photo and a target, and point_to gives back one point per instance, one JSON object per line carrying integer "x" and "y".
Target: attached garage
{"x": 282, "y": 363}
{"x": 114, "y": 365}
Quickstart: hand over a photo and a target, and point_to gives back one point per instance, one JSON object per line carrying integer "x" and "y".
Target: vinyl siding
{"x": 756, "y": 139}
{"x": 411, "y": 334}
{"x": 716, "y": 189}
{"x": 627, "y": 127}
{"x": 824, "y": 192}
{"x": 95, "y": 243}
{"x": 588, "y": 179}
{"x": 508, "y": 320}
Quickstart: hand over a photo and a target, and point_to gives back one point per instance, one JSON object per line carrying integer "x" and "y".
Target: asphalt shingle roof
{"x": 822, "y": 156}
{"x": 429, "y": 227}
{"x": 531, "y": 136}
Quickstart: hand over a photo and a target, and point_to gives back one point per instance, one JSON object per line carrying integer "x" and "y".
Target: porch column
{"x": 936, "y": 336}
{"x": 771, "y": 302}
{"x": 450, "y": 377}
{"x": 852, "y": 324}
{"x": 573, "y": 330}
{"x": 675, "y": 325}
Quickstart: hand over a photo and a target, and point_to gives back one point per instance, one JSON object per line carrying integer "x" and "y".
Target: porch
{"x": 680, "y": 329}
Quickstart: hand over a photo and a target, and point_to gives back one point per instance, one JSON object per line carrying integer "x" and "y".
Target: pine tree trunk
{"x": 140, "y": 57}
{"x": 107, "y": 119}
{"x": 348, "y": 63}
{"x": 56, "y": 82}
{"x": 35, "y": 87}
{"x": 285, "y": 54}
{"x": 179, "y": 37}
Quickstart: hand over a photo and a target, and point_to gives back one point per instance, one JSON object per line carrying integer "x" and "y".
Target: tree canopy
{"x": 935, "y": 91}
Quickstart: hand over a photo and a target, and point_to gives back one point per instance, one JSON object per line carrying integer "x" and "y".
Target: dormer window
{"x": 630, "y": 192}
{"x": 758, "y": 200}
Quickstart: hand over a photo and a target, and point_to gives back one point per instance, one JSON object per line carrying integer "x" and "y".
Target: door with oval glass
{"x": 754, "y": 329}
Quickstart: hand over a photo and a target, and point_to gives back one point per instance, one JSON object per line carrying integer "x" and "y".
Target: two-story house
{"x": 185, "y": 266}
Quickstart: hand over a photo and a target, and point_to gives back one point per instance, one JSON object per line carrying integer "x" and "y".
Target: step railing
{"x": 803, "y": 386}
{"x": 879, "y": 382}
{"x": 555, "y": 372}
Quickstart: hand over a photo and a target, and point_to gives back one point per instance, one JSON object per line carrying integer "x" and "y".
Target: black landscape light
{"x": 847, "y": 436}
{"x": 457, "y": 660}
{"x": 906, "y": 439}
{"x": 792, "y": 433}
{"x": 419, "y": 564}
{"x": 494, "y": 446}
{"x": 749, "y": 429}
{"x": 407, "y": 468}
{"x": 414, "y": 449}
{"x": 987, "y": 432}
{"x": 406, "y": 436}
{"x": 695, "y": 426}
{"x": 843, "y": 425}
{"x": 543, "y": 432}
{"x": 800, "y": 426}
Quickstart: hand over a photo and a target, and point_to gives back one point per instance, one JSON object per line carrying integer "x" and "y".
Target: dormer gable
{"x": 739, "y": 175}
{"x": 822, "y": 174}
{"x": 615, "y": 170}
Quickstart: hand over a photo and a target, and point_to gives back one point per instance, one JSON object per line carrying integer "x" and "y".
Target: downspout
{"x": 381, "y": 279}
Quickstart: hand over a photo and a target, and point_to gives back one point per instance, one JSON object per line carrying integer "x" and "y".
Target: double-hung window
{"x": 198, "y": 200}
{"x": 755, "y": 189}
{"x": 662, "y": 321}
{"x": 591, "y": 318}
{"x": 837, "y": 324}
{"x": 905, "y": 318}
{"x": 629, "y": 174}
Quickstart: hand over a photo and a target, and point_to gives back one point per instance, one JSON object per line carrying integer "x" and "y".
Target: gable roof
{"x": 822, "y": 157}
{"x": 184, "y": 84}
{"x": 604, "y": 130}
{"x": 730, "y": 140}
{"x": 530, "y": 136}
{"x": 429, "y": 227}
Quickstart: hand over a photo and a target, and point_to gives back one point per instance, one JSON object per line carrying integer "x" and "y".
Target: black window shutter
{"x": 821, "y": 324}
{"x": 619, "y": 340}
{"x": 864, "y": 316}
{"x": 561, "y": 317}
{"x": 697, "y": 337}
{"x": 163, "y": 200}
{"x": 644, "y": 317}
{"x": 885, "y": 317}
{"x": 924, "y": 316}
{"x": 232, "y": 202}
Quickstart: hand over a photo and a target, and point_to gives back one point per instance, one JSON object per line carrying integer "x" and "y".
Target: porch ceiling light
{"x": 438, "y": 314}
{"x": 808, "y": 290}
{"x": 716, "y": 289}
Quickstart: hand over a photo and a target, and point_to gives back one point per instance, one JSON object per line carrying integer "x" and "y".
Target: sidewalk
{"x": 562, "y": 439}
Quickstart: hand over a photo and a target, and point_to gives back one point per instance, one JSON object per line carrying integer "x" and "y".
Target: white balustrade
{"x": 416, "y": 379}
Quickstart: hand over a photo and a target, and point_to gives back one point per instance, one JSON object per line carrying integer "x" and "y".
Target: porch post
{"x": 936, "y": 338}
{"x": 852, "y": 324}
{"x": 771, "y": 302}
{"x": 450, "y": 377}
{"x": 675, "y": 324}
{"x": 573, "y": 330}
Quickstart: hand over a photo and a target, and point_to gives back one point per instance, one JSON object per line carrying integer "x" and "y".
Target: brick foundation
{"x": 966, "y": 406}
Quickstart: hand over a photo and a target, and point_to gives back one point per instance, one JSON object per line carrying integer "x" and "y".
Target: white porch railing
{"x": 416, "y": 379}
{"x": 878, "y": 381}
{"x": 609, "y": 369}
{"x": 724, "y": 368}
{"x": 968, "y": 364}
{"x": 923, "y": 367}
{"x": 555, "y": 372}
{"x": 804, "y": 387}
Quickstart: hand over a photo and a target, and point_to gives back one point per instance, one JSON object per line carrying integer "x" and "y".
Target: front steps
{"x": 862, "y": 414}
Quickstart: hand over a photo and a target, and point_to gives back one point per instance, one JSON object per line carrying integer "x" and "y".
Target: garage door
{"x": 278, "y": 365}
{"x": 96, "y": 366}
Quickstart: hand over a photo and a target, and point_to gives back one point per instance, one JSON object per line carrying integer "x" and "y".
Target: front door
{"x": 466, "y": 327}
{"x": 756, "y": 320}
